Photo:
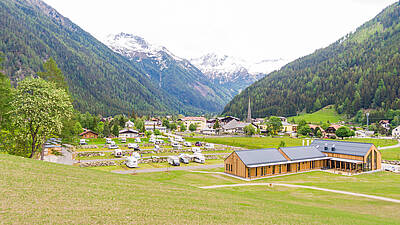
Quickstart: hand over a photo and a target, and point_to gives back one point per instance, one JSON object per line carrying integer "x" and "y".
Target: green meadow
{"x": 36, "y": 192}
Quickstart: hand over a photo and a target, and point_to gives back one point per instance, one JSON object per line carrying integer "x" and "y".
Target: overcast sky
{"x": 251, "y": 29}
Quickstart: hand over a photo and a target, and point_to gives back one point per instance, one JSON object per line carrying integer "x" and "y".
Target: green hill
{"x": 359, "y": 71}
{"x": 36, "y": 192}
{"x": 323, "y": 115}
{"x": 100, "y": 80}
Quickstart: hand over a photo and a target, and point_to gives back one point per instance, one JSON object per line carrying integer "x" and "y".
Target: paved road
{"x": 389, "y": 147}
{"x": 307, "y": 187}
{"x": 168, "y": 169}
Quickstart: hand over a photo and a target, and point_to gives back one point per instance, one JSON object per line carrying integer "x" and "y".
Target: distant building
{"x": 88, "y": 134}
{"x": 396, "y": 132}
{"x": 128, "y": 133}
{"x": 200, "y": 122}
{"x": 235, "y": 127}
{"x": 385, "y": 124}
{"x": 129, "y": 124}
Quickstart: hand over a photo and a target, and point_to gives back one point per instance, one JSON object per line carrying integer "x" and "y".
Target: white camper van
{"x": 137, "y": 140}
{"x": 108, "y": 140}
{"x": 196, "y": 149}
{"x": 173, "y": 160}
{"x": 131, "y": 162}
{"x": 199, "y": 158}
{"x": 112, "y": 145}
{"x": 187, "y": 144}
{"x": 184, "y": 158}
{"x": 209, "y": 146}
{"x": 82, "y": 142}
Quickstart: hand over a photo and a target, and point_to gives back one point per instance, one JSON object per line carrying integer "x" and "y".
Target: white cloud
{"x": 252, "y": 29}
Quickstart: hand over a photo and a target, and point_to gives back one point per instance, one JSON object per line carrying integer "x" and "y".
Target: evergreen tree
{"x": 115, "y": 130}
{"x": 53, "y": 74}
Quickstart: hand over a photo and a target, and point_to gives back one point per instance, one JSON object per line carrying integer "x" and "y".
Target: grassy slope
{"x": 391, "y": 154}
{"x": 34, "y": 192}
{"x": 326, "y": 114}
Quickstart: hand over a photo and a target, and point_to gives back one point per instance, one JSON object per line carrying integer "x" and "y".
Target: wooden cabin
{"x": 350, "y": 156}
{"x": 88, "y": 134}
{"x": 346, "y": 156}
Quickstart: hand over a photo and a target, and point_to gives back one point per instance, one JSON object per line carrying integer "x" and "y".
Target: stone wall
{"x": 391, "y": 162}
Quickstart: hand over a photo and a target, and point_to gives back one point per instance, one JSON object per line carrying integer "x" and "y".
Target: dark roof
{"x": 342, "y": 147}
{"x": 260, "y": 156}
{"x": 302, "y": 152}
{"x": 88, "y": 131}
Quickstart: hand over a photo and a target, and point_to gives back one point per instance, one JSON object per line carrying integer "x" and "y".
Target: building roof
{"x": 87, "y": 131}
{"x": 127, "y": 130}
{"x": 234, "y": 124}
{"x": 260, "y": 156}
{"x": 302, "y": 152}
{"x": 342, "y": 147}
{"x": 194, "y": 118}
{"x": 129, "y": 124}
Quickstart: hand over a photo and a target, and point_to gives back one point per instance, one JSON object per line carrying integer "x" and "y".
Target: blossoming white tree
{"x": 39, "y": 108}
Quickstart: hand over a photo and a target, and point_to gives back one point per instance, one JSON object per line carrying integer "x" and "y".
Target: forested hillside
{"x": 359, "y": 71}
{"x": 100, "y": 80}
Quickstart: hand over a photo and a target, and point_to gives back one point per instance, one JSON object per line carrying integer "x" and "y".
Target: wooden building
{"x": 88, "y": 134}
{"x": 346, "y": 156}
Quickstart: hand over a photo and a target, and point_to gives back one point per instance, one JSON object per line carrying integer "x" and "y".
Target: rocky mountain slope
{"x": 175, "y": 75}
{"x": 233, "y": 73}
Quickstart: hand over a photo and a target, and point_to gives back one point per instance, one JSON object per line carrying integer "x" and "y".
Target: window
{"x": 248, "y": 172}
{"x": 256, "y": 170}
{"x": 273, "y": 169}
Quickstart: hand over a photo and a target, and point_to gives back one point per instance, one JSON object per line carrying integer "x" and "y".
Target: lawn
{"x": 323, "y": 115}
{"x": 271, "y": 142}
{"x": 391, "y": 154}
{"x": 36, "y": 192}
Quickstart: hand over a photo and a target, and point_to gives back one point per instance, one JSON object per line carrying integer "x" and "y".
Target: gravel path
{"x": 168, "y": 169}
{"x": 306, "y": 187}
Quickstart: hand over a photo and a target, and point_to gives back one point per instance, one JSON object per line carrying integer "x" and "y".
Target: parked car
{"x": 123, "y": 140}
{"x": 187, "y": 144}
{"x": 133, "y": 145}
{"x": 108, "y": 140}
{"x": 118, "y": 153}
{"x": 198, "y": 143}
{"x": 209, "y": 146}
{"x": 82, "y": 142}
{"x": 173, "y": 160}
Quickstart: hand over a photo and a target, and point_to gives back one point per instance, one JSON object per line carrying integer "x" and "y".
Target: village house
{"x": 385, "y": 124}
{"x": 200, "y": 122}
{"x": 129, "y": 124}
{"x": 396, "y": 132}
{"x": 352, "y": 157}
{"x": 128, "y": 133}
{"x": 88, "y": 134}
{"x": 289, "y": 128}
{"x": 235, "y": 127}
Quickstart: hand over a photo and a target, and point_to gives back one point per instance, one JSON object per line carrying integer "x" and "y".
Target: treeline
{"x": 359, "y": 71}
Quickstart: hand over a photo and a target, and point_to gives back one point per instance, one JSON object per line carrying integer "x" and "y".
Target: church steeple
{"x": 249, "y": 113}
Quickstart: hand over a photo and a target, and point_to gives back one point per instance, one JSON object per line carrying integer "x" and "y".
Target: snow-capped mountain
{"x": 235, "y": 73}
{"x": 175, "y": 75}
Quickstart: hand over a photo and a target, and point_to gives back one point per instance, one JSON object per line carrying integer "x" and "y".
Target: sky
{"x": 253, "y": 30}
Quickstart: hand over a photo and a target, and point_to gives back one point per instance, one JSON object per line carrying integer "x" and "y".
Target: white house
{"x": 128, "y": 133}
{"x": 396, "y": 132}
{"x": 235, "y": 127}
{"x": 129, "y": 124}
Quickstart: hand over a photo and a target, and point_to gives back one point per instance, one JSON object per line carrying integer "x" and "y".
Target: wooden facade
{"x": 342, "y": 162}
{"x": 88, "y": 134}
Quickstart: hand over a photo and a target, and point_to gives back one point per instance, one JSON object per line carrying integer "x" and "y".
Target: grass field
{"x": 323, "y": 115}
{"x": 35, "y": 192}
{"x": 391, "y": 154}
{"x": 270, "y": 142}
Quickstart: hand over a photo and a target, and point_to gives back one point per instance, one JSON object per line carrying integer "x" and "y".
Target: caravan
{"x": 173, "y": 160}
{"x": 184, "y": 158}
{"x": 133, "y": 160}
{"x": 199, "y": 158}
{"x": 118, "y": 153}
